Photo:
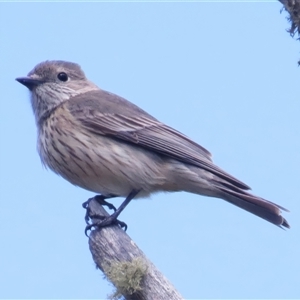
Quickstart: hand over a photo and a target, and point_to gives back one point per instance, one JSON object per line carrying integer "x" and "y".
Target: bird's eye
{"x": 62, "y": 76}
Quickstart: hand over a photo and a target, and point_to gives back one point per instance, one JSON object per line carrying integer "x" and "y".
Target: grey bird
{"x": 105, "y": 144}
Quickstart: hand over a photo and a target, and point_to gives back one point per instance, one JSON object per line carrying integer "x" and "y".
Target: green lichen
{"x": 126, "y": 276}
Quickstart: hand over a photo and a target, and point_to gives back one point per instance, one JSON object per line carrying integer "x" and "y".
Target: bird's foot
{"x": 101, "y": 200}
{"x": 102, "y": 221}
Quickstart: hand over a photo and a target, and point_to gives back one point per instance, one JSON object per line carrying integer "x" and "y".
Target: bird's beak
{"x": 30, "y": 83}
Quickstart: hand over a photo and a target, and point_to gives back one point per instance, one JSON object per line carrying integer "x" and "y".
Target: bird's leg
{"x": 101, "y": 200}
{"x": 112, "y": 219}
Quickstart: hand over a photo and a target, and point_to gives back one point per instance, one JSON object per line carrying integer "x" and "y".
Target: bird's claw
{"x": 101, "y": 200}
{"x": 104, "y": 222}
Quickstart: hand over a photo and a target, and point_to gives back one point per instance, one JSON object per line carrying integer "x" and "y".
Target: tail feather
{"x": 258, "y": 206}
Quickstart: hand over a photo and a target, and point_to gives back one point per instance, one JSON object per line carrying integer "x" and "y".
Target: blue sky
{"x": 226, "y": 75}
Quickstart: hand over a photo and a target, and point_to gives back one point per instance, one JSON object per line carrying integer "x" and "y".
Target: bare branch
{"x": 125, "y": 265}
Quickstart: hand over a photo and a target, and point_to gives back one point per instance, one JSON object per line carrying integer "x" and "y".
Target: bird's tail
{"x": 258, "y": 206}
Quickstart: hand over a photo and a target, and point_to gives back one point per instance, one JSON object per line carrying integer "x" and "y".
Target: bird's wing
{"x": 137, "y": 127}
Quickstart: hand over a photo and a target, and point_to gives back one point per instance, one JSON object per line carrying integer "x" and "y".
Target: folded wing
{"x": 108, "y": 114}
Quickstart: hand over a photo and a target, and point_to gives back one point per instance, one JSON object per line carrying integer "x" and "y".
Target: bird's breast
{"x": 94, "y": 162}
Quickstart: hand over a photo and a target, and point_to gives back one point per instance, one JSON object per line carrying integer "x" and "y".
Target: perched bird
{"x": 105, "y": 144}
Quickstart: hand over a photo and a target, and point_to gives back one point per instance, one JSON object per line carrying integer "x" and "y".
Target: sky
{"x": 226, "y": 75}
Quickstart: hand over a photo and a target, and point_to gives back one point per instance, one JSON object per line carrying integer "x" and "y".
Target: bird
{"x": 103, "y": 143}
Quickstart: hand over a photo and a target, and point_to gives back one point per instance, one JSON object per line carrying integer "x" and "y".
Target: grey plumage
{"x": 104, "y": 143}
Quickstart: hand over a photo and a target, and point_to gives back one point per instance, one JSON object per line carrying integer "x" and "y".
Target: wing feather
{"x": 139, "y": 128}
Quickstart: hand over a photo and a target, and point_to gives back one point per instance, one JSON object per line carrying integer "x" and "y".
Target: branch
{"x": 293, "y": 8}
{"x": 125, "y": 265}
